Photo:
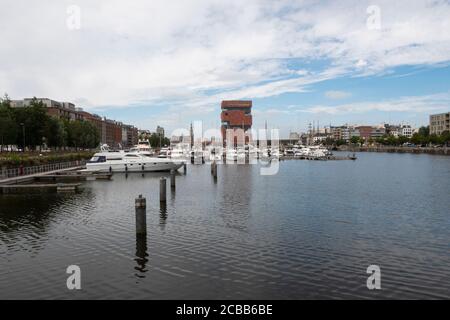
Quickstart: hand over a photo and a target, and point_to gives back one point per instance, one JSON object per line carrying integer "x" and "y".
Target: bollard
{"x": 162, "y": 190}
{"x": 141, "y": 220}
{"x": 213, "y": 167}
{"x": 172, "y": 179}
{"x": 184, "y": 168}
{"x": 215, "y": 170}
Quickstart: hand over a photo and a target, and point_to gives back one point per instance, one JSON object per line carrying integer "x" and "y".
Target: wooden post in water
{"x": 172, "y": 179}
{"x": 162, "y": 190}
{"x": 214, "y": 169}
{"x": 141, "y": 220}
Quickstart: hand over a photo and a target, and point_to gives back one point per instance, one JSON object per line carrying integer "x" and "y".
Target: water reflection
{"x": 141, "y": 255}
{"x": 235, "y": 195}
{"x": 162, "y": 215}
{"x": 19, "y": 218}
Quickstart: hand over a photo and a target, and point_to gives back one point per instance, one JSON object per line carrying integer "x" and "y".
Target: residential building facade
{"x": 114, "y": 134}
{"x": 439, "y": 123}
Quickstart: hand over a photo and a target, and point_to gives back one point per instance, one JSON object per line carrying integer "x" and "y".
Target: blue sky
{"x": 168, "y": 63}
{"x": 397, "y": 83}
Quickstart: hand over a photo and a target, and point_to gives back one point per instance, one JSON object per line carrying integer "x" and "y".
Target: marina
{"x": 226, "y": 231}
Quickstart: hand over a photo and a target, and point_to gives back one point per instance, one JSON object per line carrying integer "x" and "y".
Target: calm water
{"x": 308, "y": 232}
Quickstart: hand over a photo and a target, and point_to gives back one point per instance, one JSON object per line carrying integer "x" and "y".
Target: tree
{"x": 402, "y": 139}
{"x": 33, "y": 121}
{"x": 82, "y": 134}
{"x": 340, "y": 142}
{"x": 424, "y": 131}
{"x": 8, "y": 128}
{"x": 445, "y": 136}
{"x": 329, "y": 141}
{"x": 355, "y": 140}
{"x": 156, "y": 141}
{"x": 56, "y": 133}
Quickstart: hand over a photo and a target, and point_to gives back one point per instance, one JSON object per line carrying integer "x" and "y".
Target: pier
{"x": 63, "y": 180}
{"x": 39, "y": 188}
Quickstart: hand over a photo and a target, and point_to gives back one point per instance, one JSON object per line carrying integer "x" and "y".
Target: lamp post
{"x": 23, "y": 135}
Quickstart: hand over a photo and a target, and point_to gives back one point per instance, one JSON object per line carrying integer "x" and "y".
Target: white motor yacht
{"x": 164, "y": 153}
{"x": 231, "y": 155}
{"x": 129, "y": 162}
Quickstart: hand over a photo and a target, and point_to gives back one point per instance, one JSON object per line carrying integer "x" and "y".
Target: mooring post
{"x": 214, "y": 170}
{"x": 141, "y": 220}
{"x": 172, "y": 179}
{"x": 162, "y": 190}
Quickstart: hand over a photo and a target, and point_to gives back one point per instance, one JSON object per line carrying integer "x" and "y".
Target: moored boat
{"x": 130, "y": 162}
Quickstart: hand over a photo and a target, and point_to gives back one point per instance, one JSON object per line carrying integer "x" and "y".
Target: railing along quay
{"x": 24, "y": 171}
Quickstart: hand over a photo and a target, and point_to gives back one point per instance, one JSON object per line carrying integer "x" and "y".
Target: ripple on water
{"x": 308, "y": 232}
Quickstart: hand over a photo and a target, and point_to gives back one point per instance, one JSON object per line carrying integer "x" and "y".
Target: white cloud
{"x": 195, "y": 53}
{"x": 427, "y": 103}
{"x": 334, "y": 94}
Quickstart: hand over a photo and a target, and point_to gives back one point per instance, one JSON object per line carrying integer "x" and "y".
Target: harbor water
{"x": 308, "y": 232}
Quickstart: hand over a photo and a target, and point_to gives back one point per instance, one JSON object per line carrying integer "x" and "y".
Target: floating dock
{"x": 54, "y": 181}
{"x": 39, "y": 188}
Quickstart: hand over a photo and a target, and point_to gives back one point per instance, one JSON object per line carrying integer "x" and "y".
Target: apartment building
{"x": 439, "y": 123}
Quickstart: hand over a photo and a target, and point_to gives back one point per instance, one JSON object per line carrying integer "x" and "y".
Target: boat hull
{"x": 134, "y": 167}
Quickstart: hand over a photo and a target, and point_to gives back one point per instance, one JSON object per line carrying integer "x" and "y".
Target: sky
{"x": 169, "y": 63}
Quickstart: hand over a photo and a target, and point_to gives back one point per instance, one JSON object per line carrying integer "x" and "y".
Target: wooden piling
{"x": 162, "y": 190}
{"x": 141, "y": 220}
{"x": 214, "y": 169}
{"x": 172, "y": 179}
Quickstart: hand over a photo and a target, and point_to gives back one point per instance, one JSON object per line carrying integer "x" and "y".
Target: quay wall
{"x": 438, "y": 151}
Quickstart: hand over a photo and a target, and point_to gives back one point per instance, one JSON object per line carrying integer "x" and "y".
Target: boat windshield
{"x": 96, "y": 159}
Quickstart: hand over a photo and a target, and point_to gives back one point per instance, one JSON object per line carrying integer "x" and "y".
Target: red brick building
{"x": 236, "y": 115}
{"x": 365, "y": 132}
{"x": 110, "y": 131}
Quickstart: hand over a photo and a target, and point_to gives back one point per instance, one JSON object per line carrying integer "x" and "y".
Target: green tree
{"x": 157, "y": 142}
{"x": 56, "y": 133}
{"x": 82, "y": 134}
{"x": 8, "y": 128}
{"x": 32, "y": 121}
{"x": 355, "y": 140}
{"x": 424, "y": 131}
{"x": 434, "y": 139}
{"x": 402, "y": 139}
{"x": 340, "y": 142}
{"x": 445, "y": 136}
{"x": 391, "y": 140}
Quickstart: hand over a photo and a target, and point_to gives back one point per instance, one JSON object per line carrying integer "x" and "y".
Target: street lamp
{"x": 23, "y": 135}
